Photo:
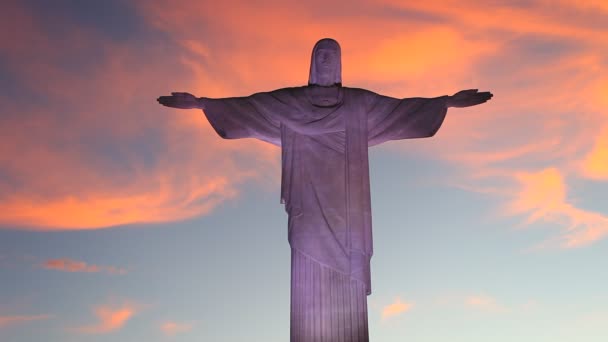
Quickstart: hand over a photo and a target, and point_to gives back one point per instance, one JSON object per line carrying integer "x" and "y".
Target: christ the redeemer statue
{"x": 324, "y": 131}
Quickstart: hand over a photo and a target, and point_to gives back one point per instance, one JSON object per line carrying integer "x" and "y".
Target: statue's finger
{"x": 484, "y": 95}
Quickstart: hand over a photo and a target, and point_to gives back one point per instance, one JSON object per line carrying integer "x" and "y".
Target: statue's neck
{"x": 322, "y": 96}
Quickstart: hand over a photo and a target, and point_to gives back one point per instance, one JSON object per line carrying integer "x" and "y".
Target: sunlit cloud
{"x": 584, "y": 5}
{"x": 6, "y": 321}
{"x": 485, "y": 303}
{"x": 546, "y": 118}
{"x": 171, "y": 328}
{"x": 595, "y": 163}
{"x": 164, "y": 204}
{"x": 396, "y": 308}
{"x": 542, "y": 196}
{"x": 109, "y": 319}
{"x": 128, "y": 160}
{"x": 110, "y": 154}
{"x": 70, "y": 265}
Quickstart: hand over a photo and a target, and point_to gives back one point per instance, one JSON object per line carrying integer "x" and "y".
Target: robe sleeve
{"x": 244, "y": 117}
{"x": 393, "y": 119}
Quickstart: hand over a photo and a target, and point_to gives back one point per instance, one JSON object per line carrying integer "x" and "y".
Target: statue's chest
{"x": 325, "y": 96}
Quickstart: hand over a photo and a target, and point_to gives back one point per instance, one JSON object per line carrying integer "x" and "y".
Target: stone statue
{"x": 324, "y": 130}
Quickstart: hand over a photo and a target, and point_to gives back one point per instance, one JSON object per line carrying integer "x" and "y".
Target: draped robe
{"x": 325, "y": 189}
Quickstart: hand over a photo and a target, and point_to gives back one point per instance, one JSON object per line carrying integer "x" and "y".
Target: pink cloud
{"x": 190, "y": 170}
{"x": 70, "y": 265}
{"x": 542, "y": 196}
{"x": 547, "y": 110}
{"x": 396, "y": 308}
{"x": 6, "y": 321}
{"x": 595, "y": 164}
{"x": 171, "y": 328}
{"x": 485, "y": 303}
{"x": 109, "y": 319}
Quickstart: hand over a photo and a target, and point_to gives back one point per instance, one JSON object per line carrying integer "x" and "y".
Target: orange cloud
{"x": 109, "y": 319}
{"x": 101, "y": 152}
{"x": 69, "y": 265}
{"x": 419, "y": 55}
{"x": 378, "y": 48}
{"x": 540, "y": 17}
{"x": 485, "y": 303}
{"x": 595, "y": 163}
{"x": 396, "y": 308}
{"x": 6, "y": 321}
{"x": 547, "y": 115}
{"x": 112, "y": 156}
{"x": 584, "y": 5}
{"x": 170, "y": 328}
{"x": 542, "y": 193}
{"x": 105, "y": 210}
{"x": 543, "y": 196}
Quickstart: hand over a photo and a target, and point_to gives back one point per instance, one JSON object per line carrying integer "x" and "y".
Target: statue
{"x": 324, "y": 131}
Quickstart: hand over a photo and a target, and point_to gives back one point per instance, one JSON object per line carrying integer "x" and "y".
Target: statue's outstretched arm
{"x": 467, "y": 98}
{"x": 233, "y": 117}
{"x": 181, "y": 101}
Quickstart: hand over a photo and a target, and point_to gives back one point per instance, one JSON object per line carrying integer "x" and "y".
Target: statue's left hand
{"x": 467, "y": 98}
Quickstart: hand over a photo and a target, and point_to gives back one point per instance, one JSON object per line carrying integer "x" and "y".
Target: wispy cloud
{"x": 396, "y": 308}
{"x": 146, "y": 163}
{"x": 111, "y": 155}
{"x": 542, "y": 196}
{"x": 546, "y": 124}
{"x": 595, "y": 164}
{"x": 172, "y": 328}
{"x": 485, "y": 303}
{"x": 70, "y": 265}
{"x": 6, "y": 321}
{"x": 109, "y": 319}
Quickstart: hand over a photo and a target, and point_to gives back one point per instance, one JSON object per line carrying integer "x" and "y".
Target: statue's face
{"x": 326, "y": 61}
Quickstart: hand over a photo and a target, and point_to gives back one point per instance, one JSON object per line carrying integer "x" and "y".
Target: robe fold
{"x": 325, "y": 180}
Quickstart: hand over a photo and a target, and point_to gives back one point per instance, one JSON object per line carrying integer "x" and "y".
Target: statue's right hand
{"x": 179, "y": 100}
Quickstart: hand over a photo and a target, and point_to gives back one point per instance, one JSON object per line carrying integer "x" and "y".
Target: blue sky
{"x": 123, "y": 220}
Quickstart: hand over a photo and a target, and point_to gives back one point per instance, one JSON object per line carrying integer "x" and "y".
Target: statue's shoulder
{"x": 359, "y": 93}
{"x": 289, "y": 91}
{"x": 281, "y": 94}
{"x": 358, "y": 90}
{"x": 304, "y": 88}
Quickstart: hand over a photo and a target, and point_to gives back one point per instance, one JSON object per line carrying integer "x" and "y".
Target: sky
{"x": 123, "y": 220}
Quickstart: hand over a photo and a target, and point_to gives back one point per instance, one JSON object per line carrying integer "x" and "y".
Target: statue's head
{"x": 325, "y": 63}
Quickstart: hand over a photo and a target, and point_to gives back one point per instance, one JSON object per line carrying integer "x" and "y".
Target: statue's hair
{"x": 326, "y": 43}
